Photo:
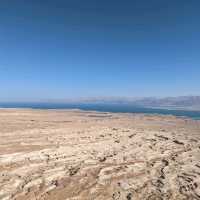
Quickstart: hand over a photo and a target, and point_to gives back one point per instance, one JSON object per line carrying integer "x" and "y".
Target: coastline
{"x": 118, "y": 108}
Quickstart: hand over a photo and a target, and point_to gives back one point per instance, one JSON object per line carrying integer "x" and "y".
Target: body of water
{"x": 121, "y": 108}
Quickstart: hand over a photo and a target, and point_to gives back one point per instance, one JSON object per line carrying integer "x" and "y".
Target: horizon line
{"x": 97, "y": 98}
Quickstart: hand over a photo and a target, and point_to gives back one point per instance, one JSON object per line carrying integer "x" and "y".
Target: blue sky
{"x": 74, "y": 48}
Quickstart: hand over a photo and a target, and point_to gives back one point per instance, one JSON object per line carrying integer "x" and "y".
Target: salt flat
{"x": 73, "y": 154}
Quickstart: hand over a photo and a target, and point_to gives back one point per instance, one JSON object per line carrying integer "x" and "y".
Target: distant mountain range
{"x": 182, "y": 102}
{"x": 185, "y": 102}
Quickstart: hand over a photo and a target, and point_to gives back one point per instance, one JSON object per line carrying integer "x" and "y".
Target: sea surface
{"x": 119, "y": 108}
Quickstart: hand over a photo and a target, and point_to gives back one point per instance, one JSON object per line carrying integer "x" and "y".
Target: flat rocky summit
{"x": 76, "y": 155}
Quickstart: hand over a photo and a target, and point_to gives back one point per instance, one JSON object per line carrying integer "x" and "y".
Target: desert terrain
{"x": 79, "y": 155}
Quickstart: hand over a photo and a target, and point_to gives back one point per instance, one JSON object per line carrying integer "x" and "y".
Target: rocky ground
{"x": 76, "y": 155}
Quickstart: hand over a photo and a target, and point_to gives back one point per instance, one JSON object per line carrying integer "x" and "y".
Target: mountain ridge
{"x": 181, "y": 102}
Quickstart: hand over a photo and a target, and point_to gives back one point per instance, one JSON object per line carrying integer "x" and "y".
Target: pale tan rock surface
{"x": 76, "y": 155}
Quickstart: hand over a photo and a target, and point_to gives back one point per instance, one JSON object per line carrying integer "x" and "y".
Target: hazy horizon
{"x": 93, "y": 99}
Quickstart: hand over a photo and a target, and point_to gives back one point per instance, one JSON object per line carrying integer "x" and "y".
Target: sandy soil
{"x": 76, "y": 155}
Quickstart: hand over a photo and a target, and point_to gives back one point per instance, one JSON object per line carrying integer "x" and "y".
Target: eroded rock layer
{"x": 76, "y": 155}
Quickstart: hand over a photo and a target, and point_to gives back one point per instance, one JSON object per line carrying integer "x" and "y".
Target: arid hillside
{"x": 78, "y": 155}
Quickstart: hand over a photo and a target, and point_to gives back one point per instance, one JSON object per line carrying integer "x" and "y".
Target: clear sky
{"x": 85, "y": 48}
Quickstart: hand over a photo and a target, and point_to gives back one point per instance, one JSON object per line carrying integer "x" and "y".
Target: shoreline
{"x": 183, "y": 116}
